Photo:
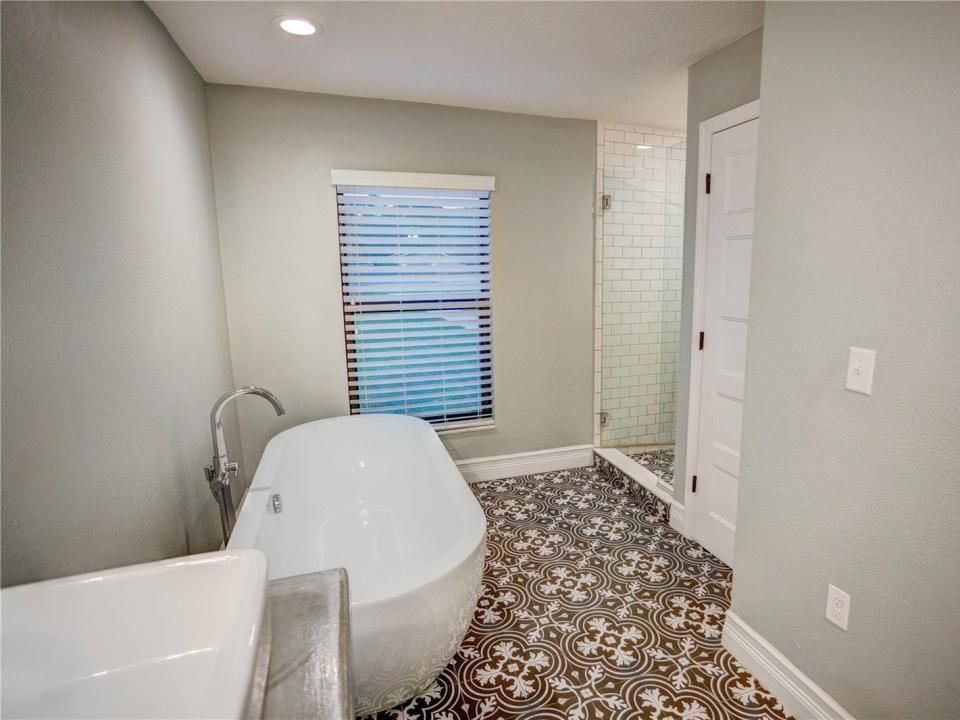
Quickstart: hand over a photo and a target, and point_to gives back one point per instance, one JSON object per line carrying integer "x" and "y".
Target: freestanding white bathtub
{"x": 379, "y": 496}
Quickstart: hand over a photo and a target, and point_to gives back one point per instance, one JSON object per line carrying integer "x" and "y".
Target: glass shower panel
{"x": 670, "y": 293}
{"x": 642, "y": 242}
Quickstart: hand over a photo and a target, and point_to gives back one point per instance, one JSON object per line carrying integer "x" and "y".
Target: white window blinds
{"x": 415, "y": 268}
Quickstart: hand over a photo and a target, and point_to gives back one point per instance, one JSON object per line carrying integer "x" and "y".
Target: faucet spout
{"x": 218, "y": 474}
{"x": 216, "y": 416}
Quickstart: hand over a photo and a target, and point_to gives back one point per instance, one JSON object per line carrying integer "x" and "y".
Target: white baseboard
{"x": 526, "y": 463}
{"x": 800, "y": 696}
{"x": 678, "y": 518}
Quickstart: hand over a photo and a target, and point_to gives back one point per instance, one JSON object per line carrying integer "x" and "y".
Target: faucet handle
{"x": 227, "y": 470}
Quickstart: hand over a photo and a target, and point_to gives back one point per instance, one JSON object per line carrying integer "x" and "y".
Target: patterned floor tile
{"x": 659, "y": 462}
{"x": 591, "y": 609}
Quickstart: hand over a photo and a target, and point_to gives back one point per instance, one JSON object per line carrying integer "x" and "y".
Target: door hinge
{"x": 694, "y": 484}
{"x": 708, "y": 183}
{"x": 701, "y": 339}
{"x": 276, "y": 503}
{"x": 606, "y": 202}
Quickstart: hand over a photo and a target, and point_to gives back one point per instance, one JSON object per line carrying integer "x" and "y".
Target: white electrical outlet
{"x": 838, "y": 606}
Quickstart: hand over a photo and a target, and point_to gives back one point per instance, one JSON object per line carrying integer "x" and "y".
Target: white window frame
{"x": 378, "y": 178}
{"x": 440, "y": 181}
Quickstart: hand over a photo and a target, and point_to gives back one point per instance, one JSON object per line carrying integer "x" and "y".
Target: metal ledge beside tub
{"x": 304, "y": 666}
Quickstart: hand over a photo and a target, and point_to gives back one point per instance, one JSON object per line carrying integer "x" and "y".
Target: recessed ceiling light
{"x": 301, "y": 27}
{"x": 644, "y": 147}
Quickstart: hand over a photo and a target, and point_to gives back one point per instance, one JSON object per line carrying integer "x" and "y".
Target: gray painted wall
{"x": 273, "y": 151}
{"x": 115, "y": 341}
{"x": 727, "y": 79}
{"x": 857, "y": 244}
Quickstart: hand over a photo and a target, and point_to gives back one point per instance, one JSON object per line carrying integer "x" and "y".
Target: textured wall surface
{"x": 725, "y": 80}
{"x": 273, "y": 152}
{"x": 640, "y": 275}
{"x": 857, "y": 244}
{"x": 114, "y": 328}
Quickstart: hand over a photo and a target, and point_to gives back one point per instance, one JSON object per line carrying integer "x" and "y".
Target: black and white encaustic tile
{"x": 592, "y": 609}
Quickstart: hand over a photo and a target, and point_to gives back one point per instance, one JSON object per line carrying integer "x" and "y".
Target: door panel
{"x": 735, "y": 275}
{"x": 741, "y": 171}
{"x": 729, "y": 244}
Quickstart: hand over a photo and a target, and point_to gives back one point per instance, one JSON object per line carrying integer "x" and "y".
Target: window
{"x": 415, "y": 267}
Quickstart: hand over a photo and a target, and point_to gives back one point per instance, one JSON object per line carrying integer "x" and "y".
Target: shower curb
{"x": 653, "y": 506}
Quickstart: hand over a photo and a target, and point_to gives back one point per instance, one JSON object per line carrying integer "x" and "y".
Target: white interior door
{"x": 729, "y": 241}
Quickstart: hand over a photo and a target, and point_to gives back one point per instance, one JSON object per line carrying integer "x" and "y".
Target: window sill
{"x": 467, "y": 428}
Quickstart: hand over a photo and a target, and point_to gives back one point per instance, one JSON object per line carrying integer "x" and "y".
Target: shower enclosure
{"x": 640, "y": 179}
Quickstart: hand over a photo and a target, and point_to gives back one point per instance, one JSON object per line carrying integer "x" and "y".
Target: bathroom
{"x": 392, "y": 358}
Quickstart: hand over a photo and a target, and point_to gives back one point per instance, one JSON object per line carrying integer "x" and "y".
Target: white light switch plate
{"x": 860, "y": 370}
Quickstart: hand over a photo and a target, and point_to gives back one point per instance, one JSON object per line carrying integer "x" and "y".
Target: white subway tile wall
{"x": 639, "y": 246}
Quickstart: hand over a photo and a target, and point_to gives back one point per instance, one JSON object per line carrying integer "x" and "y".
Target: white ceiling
{"x": 597, "y": 60}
